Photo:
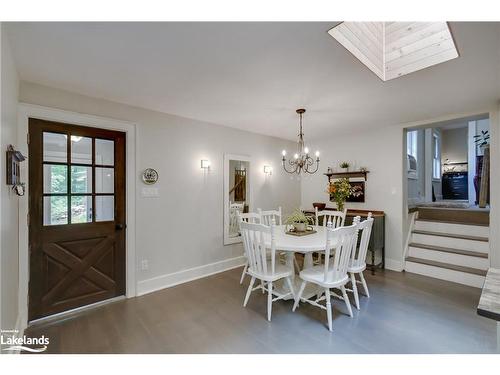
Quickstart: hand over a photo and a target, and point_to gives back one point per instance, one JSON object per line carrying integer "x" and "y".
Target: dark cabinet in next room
{"x": 455, "y": 185}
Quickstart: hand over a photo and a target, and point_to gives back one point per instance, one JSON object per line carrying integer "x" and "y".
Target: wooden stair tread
{"x": 449, "y": 250}
{"x": 469, "y": 216}
{"x": 453, "y": 222}
{"x": 452, "y": 267}
{"x": 460, "y": 236}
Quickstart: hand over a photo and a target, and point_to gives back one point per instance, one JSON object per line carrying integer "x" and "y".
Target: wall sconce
{"x": 205, "y": 164}
{"x": 268, "y": 170}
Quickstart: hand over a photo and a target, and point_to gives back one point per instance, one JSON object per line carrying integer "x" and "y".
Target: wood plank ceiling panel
{"x": 394, "y": 49}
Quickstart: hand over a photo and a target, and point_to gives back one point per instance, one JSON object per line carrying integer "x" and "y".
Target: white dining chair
{"x": 234, "y": 209}
{"x": 336, "y": 218}
{"x": 267, "y": 216}
{"x": 264, "y": 267}
{"x": 357, "y": 264}
{"x": 253, "y": 218}
{"x": 332, "y": 274}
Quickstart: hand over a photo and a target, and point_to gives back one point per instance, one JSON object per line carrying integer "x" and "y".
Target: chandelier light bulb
{"x": 296, "y": 156}
{"x": 317, "y": 154}
{"x": 283, "y": 152}
{"x": 306, "y": 150}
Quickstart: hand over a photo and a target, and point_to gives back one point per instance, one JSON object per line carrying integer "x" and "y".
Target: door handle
{"x": 120, "y": 226}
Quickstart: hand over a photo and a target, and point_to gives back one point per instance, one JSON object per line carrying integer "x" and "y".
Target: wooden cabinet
{"x": 376, "y": 248}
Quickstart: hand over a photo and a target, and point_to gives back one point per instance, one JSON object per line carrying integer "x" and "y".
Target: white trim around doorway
{"x": 25, "y": 111}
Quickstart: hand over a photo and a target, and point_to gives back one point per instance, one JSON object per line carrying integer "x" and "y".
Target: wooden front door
{"x": 76, "y": 216}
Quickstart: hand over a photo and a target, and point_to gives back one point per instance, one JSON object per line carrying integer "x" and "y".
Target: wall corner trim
{"x": 394, "y": 265}
{"x": 172, "y": 279}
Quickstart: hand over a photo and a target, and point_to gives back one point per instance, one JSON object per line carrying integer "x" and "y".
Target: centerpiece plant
{"x": 340, "y": 190}
{"x": 299, "y": 220}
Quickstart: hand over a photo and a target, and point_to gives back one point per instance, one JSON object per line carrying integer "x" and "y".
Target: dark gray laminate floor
{"x": 406, "y": 313}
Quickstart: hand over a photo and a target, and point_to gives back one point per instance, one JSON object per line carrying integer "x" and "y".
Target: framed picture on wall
{"x": 360, "y": 186}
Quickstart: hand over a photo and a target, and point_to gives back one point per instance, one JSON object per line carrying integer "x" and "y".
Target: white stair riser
{"x": 450, "y": 258}
{"x": 454, "y": 243}
{"x": 467, "y": 230}
{"x": 445, "y": 274}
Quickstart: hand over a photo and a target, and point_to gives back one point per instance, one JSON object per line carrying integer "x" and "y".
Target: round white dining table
{"x": 307, "y": 245}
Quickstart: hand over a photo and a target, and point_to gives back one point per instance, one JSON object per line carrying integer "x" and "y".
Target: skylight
{"x": 394, "y": 49}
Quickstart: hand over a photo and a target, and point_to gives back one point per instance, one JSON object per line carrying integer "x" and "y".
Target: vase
{"x": 340, "y": 206}
{"x": 300, "y": 227}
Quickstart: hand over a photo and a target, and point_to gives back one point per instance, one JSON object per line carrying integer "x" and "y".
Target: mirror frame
{"x": 227, "y": 157}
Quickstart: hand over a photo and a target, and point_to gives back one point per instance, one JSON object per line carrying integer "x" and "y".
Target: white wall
{"x": 494, "y": 126}
{"x": 183, "y": 227}
{"x": 381, "y": 152}
{"x": 454, "y": 145}
{"x": 8, "y": 200}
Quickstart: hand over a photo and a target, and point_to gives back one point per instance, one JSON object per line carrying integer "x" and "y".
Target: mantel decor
{"x": 354, "y": 174}
{"x": 358, "y": 187}
{"x": 302, "y": 161}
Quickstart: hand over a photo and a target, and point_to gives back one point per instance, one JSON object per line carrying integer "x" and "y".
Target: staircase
{"x": 449, "y": 245}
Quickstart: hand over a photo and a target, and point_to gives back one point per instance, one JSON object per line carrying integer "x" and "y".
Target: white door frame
{"x": 25, "y": 111}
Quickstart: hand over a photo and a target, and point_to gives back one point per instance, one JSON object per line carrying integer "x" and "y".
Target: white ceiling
{"x": 253, "y": 76}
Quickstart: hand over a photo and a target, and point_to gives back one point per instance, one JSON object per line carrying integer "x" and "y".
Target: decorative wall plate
{"x": 149, "y": 176}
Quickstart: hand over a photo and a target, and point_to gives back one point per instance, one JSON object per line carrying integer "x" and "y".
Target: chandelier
{"x": 301, "y": 160}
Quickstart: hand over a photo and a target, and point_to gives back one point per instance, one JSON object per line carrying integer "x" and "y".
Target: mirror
{"x": 236, "y": 194}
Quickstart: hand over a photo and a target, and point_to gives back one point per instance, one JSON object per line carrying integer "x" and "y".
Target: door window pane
{"x": 81, "y": 179}
{"x": 104, "y": 208}
{"x": 55, "y": 178}
{"x": 81, "y": 150}
{"x": 104, "y": 152}
{"x": 55, "y": 147}
{"x": 55, "y": 210}
{"x": 104, "y": 180}
{"x": 81, "y": 209}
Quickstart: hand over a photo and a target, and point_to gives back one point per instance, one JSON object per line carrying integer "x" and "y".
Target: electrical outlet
{"x": 144, "y": 264}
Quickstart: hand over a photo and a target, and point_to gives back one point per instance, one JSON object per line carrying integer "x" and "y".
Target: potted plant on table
{"x": 299, "y": 221}
{"x": 340, "y": 190}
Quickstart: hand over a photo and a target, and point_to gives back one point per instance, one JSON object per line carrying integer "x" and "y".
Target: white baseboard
{"x": 394, "y": 265}
{"x": 176, "y": 278}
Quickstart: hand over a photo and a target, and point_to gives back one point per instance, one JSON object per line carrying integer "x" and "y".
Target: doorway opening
{"x": 448, "y": 164}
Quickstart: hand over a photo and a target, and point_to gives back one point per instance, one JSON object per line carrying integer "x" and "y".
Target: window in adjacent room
{"x": 411, "y": 145}
{"x": 436, "y": 157}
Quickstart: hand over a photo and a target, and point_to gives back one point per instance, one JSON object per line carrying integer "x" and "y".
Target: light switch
{"x": 150, "y": 192}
